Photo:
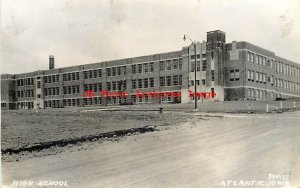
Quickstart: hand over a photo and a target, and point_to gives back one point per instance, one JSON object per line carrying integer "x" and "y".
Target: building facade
{"x": 227, "y": 71}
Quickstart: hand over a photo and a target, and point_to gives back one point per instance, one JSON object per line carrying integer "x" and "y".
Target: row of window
{"x": 169, "y": 80}
{"x": 71, "y": 102}
{"x": 278, "y": 66}
{"x": 92, "y": 87}
{"x": 25, "y": 93}
{"x": 116, "y": 85}
{"x": 142, "y": 68}
{"x": 25, "y": 105}
{"x": 257, "y": 93}
{"x": 204, "y": 65}
{"x": 143, "y": 83}
{"x": 52, "y": 91}
{"x": 51, "y": 78}
{"x": 198, "y": 82}
{"x": 259, "y": 77}
{"x": 288, "y": 85}
{"x": 96, "y": 73}
{"x": 286, "y": 69}
{"x": 116, "y": 71}
{"x": 51, "y": 104}
{"x": 26, "y": 81}
{"x": 70, "y": 76}
{"x": 170, "y": 64}
{"x": 74, "y": 89}
{"x": 198, "y": 56}
{"x": 109, "y": 100}
{"x": 256, "y": 58}
{"x": 234, "y": 74}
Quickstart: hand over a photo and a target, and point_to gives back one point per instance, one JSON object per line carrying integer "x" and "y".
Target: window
{"x": 114, "y": 86}
{"x": 119, "y": 71}
{"x": 95, "y": 87}
{"x": 259, "y": 60}
{"x": 231, "y": 75}
{"x": 133, "y": 84}
{"x": 133, "y": 67}
{"x": 192, "y": 82}
{"x": 256, "y": 76}
{"x": 124, "y": 70}
{"x": 100, "y": 86}
{"x": 145, "y": 82}
{"x": 85, "y": 87}
{"x": 113, "y": 71}
{"x": 90, "y": 87}
{"x": 140, "y": 83}
{"x": 124, "y": 84}
{"x": 38, "y": 84}
{"x": 140, "y": 68}
{"x": 161, "y": 65}
{"x": 203, "y": 81}
{"x": 192, "y": 66}
{"x": 169, "y": 80}
{"x": 256, "y": 58}
{"x": 260, "y": 76}
{"x": 85, "y": 75}
{"x": 77, "y": 89}
{"x": 180, "y": 79}
{"x": 95, "y": 72}
{"x": 169, "y": 65}
{"x": 108, "y": 71}
{"x": 108, "y": 85}
{"x": 77, "y": 76}
{"x": 99, "y": 72}
{"x": 249, "y": 75}
{"x": 162, "y": 81}
{"x": 151, "y": 66}
{"x": 175, "y": 80}
{"x": 175, "y": 63}
{"x": 248, "y": 56}
{"x": 146, "y": 67}
{"x": 198, "y": 66}
{"x": 180, "y": 63}
{"x": 90, "y": 74}
{"x": 204, "y": 65}
{"x": 73, "y": 76}
{"x": 57, "y": 90}
{"x": 237, "y": 74}
{"x": 120, "y": 84}
{"x": 151, "y": 82}
{"x": 212, "y": 75}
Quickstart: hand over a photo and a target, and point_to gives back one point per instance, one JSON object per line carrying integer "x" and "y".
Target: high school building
{"x": 232, "y": 71}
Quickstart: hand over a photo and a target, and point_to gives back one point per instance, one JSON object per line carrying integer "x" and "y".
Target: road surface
{"x": 200, "y": 153}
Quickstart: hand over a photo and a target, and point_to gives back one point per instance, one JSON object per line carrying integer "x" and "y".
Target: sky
{"x": 82, "y": 32}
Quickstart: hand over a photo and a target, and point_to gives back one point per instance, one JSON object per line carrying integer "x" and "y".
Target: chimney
{"x": 51, "y": 61}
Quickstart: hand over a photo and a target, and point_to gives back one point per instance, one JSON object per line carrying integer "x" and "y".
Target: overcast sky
{"x": 81, "y": 32}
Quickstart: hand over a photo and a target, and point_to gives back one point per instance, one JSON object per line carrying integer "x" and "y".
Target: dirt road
{"x": 201, "y": 153}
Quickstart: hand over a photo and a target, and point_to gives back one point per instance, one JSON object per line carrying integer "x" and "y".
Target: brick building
{"x": 233, "y": 71}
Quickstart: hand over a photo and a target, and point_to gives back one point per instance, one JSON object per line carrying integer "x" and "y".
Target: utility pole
{"x": 195, "y": 69}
